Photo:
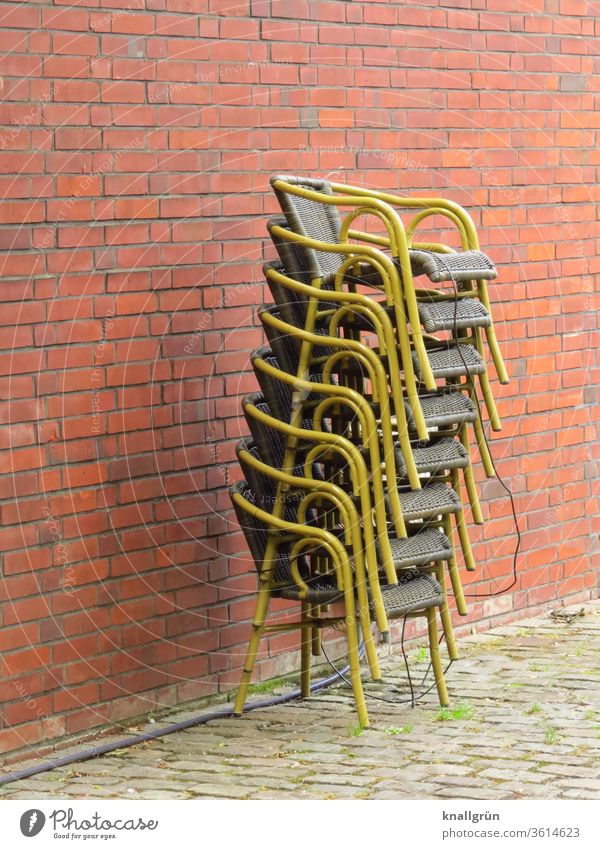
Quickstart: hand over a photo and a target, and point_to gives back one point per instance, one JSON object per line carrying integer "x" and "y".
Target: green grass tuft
{"x": 420, "y": 656}
{"x": 269, "y": 686}
{"x": 394, "y": 730}
{"x": 461, "y": 711}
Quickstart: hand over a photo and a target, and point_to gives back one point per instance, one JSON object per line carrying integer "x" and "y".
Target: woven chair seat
{"x": 453, "y": 315}
{"x": 443, "y": 408}
{"x": 467, "y": 265}
{"x": 451, "y": 361}
{"x": 414, "y": 591}
{"x": 433, "y": 500}
{"x": 435, "y": 457}
{"x": 427, "y": 546}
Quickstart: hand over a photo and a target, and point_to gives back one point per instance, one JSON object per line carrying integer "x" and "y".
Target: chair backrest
{"x": 290, "y": 304}
{"x": 313, "y": 219}
{"x": 256, "y": 534}
{"x": 292, "y": 256}
{"x": 269, "y": 440}
{"x": 278, "y": 394}
{"x": 286, "y": 346}
{"x": 255, "y": 531}
{"x": 265, "y": 486}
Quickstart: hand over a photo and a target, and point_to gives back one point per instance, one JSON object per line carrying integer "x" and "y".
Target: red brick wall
{"x": 137, "y": 141}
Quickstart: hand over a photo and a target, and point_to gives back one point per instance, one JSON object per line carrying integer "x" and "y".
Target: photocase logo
{"x": 32, "y": 822}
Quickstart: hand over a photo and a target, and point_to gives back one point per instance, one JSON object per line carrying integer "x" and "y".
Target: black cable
{"x": 513, "y": 509}
{"x": 413, "y": 698}
{"x": 410, "y": 684}
{"x": 501, "y": 480}
{"x": 200, "y": 719}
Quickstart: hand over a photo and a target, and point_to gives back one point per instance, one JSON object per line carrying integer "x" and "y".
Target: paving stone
{"x": 532, "y": 733}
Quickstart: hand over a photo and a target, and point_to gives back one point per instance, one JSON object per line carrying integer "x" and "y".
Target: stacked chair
{"x": 359, "y": 454}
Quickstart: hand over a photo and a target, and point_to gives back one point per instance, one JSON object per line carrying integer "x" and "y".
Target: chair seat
{"x": 427, "y": 546}
{"x": 443, "y": 408}
{"x": 439, "y": 267}
{"x": 434, "y": 457}
{"x": 435, "y": 315}
{"x": 453, "y": 315}
{"x": 448, "y": 361}
{"x": 414, "y": 591}
{"x": 466, "y": 265}
{"x": 433, "y": 500}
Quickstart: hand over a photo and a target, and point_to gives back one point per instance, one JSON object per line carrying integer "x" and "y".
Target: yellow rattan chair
{"x": 312, "y": 212}
{"x": 279, "y": 548}
{"x": 417, "y": 593}
{"x": 424, "y": 544}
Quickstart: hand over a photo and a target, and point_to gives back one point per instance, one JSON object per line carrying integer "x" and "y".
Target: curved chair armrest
{"x": 353, "y": 200}
{"x": 324, "y": 539}
{"x": 446, "y": 207}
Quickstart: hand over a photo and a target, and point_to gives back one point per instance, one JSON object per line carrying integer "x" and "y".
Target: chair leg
{"x": 484, "y": 451}
{"x": 445, "y": 616}
{"x": 354, "y": 659}
{"x": 486, "y": 389}
{"x": 457, "y": 589}
{"x": 490, "y": 333}
{"x": 462, "y": 527}
{"x": 470, "y": 478}
{"x": 496, "y": 355}
{"x": 305, "y": 646}
{"x": 315, "y": 612}
{"x": 436, "y": 661}
{"x": 409, "y": 369}
{"x": 258, "y": 624}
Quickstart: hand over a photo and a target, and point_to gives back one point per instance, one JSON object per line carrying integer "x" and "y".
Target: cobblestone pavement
{"x": 524, "y": 723}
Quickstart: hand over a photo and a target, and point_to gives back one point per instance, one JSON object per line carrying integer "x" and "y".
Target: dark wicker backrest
{"x": 286, "y": 346}
{"x": 290, "y": 304}
{"x": 265, "y": 487}
{"x": 256, "y": 534}
{"x": 277, "y": 393}
{"x": 269, "y": 440}
{"x": 313, "y": 219}
{"x": 292, "y": 256}
{"x": 254, "y": 530}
